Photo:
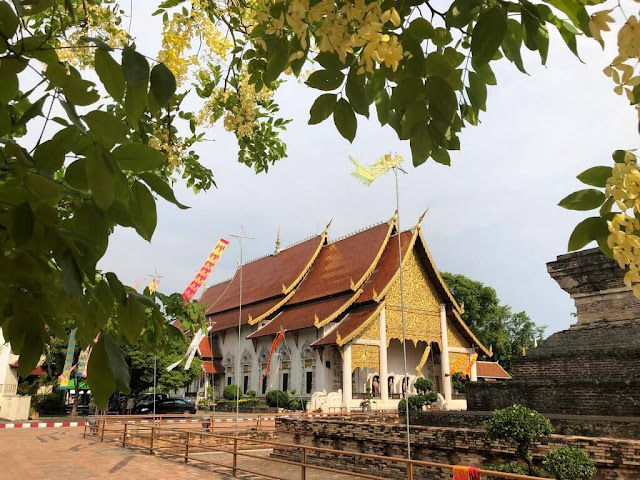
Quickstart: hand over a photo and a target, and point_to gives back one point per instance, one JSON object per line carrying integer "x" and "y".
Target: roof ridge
{"x": 356, "y": 232}
{"x": 285, "y": 248}
{"x": 218, "y": 283}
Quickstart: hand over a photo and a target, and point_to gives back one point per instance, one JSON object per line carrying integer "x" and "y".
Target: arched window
{"x": 308, "y": 355}
{"x": 246, "y": 361}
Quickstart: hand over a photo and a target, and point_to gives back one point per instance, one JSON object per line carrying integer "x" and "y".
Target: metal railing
{"x": 8, "y": 389}
{"x": 182, "y": 445}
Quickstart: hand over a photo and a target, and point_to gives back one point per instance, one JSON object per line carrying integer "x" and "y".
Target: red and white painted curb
{"x": 42, "y": 425}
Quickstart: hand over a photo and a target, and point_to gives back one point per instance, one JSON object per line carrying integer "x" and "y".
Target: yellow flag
{"x": 368, "y": 174}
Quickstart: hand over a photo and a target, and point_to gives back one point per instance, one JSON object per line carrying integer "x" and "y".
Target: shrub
{"x": 416, "y": 402}
{"x": 50, "y": 404}
{"x": 294, "y": 404}
{"x": 569, "y": 463}
{"x": 243, "y": 402}
{"x": 424, "y": 385}
{"x": 277, "y": 398}
{"x": 458, "y": 385}
{"x": 231, "y": 392}
{"x": 252, "y": 393}
{"x": 522, "y": 425}
{"x": 509, "y": 467}
{"x": 203, "y": 404}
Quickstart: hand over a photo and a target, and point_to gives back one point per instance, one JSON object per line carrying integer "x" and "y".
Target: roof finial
{"x": 278, "y": 247}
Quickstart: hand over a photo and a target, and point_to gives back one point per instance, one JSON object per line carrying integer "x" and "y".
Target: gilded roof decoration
{"x": 365, "y": 356}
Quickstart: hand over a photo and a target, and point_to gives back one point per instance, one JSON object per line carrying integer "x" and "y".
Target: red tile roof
{"x": 212, "y": 367}
{"x": 301, "y": 316}
{"x": 205, "y": 348}
{"x": 265, "y": 278}
{"x": 213, "y": 293}
{"x": 491, "y": 370}
{"x": 341, "y": 262}
{"x": 351, "y": 322}
{"x": 229, "y": 318}
{"x": 387, "y": 267}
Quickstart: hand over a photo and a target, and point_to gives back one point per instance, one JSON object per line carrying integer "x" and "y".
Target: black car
{"x": 167, "y": 405}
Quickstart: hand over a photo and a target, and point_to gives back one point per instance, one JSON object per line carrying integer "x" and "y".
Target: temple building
{"x": 338, "y": 304}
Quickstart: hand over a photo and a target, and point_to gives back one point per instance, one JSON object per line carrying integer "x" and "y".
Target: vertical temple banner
{"x": 81, "y": 369}
{"x": 206, "y": 269}
{"x": 68, "y": 361}
{"x": 275, "y": 343}
{"x": 468, "y": 369}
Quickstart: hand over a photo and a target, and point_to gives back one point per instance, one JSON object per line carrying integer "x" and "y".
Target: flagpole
{"x": 402, "y": 313}
{"x": 241, "y": 239}
{"x": 155, "y": 368}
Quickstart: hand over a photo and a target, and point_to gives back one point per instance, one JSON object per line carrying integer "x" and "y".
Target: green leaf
{"x": 356, "y": 93}
{"x": 163, "y": 84}
{"x": 76, "y": 174}
{"x": 131, "y": 319}
{"x": 110, "y": 74}
{"x": 101, "y": 180}
{"x": 135, "y": 104}
{"x": 135, "y": 68}
{"x": 586, "y": 199}
{"x": 477, "y": 91}
{"x": 485, "y": 73}
{"x": 116, "y": 286}
{"x": 49, "y": 155}
{"x": 415, "y": 113}
{"x": 590, "y": 229}
{"x": 143, "y": 210}
{"x": 325, "y": 80}
{"x": 382, "y": 107}
{"x": 375, "y": 86}
{"x": 512, "y": 44}
{"x": 138, "y": 157}
{"x": 277, "y": 61}
{"x": 622, "y": 156}
{"x": 345, "y": 120}
{"x": 330, "y": 61}
{"x": 442, "y": 37}
{"x": 421, "y": 29}
{"x": 575, "y": 11}
{"x": 33, "y": 111}
{"x": 79, "y": 91}
{"x": 5, "y": 120}
{"x": 596, "y": 176}
{"x": 101, "y": 44}
{"x": 488, "y": 34}
{"x": 23, "y": 222}
{"x": 542, "y": 40}
{"x": 442, "y": 102}
{"x": 30, "y": 354}
{"x": 117, "y": 364}
{"x": 420, "y": 144}
{"x": 461, "y": 13}
{"x": 441, "y": 156}
{"x": 438, "y": 65}
{"x": 71, "y": 275}
{"x": 9, "y": 84}
{"x": 161, "y": 187}
{"x": 8, "y": 20}
{"x": 322, "y": 108}
{"x": 568, "y": 34}
{"x": 107, "y": 126}
{"x": 406, "y": 92}
{"x": 45, "y": 189}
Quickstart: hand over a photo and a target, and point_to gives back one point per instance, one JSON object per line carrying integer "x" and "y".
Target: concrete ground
{"x": 53, "y": 454}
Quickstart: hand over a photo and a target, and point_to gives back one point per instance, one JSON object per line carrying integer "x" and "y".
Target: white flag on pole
{"x": 191, "y": 351}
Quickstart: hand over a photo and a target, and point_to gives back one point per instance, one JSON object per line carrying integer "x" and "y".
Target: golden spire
{"x": 278, "y": 248}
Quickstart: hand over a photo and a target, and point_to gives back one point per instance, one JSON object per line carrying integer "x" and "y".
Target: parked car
{"x": 166, "y": 405}
{"x": 148, "y": 397}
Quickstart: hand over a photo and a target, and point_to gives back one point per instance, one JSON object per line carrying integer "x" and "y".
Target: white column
{"x": 384, "y": 371}
{"x": 320, "y": 372}
{"x": 346, "y": 376}
{"x": 444, "y": 355}
{"x": 473, "y": 374}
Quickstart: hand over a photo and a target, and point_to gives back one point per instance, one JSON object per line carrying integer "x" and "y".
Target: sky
{"x": 492, "y": 215}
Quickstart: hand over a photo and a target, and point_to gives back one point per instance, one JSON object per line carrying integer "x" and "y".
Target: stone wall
{"x": 580, "y": 425}
{"x": 617, "y": 459}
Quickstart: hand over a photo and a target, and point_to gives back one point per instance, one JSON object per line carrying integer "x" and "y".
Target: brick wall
{"x": 578, "y": 397}
{"x": 579, "y": 425}
{"x": 615, "y": 458}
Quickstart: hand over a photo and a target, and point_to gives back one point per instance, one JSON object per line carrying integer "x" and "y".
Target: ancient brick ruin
{"x": 591, "y": 368}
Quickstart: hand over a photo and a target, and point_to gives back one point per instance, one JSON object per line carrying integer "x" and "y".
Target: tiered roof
{"x": 318, "y": 283}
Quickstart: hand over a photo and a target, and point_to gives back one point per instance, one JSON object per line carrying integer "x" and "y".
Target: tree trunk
{"x": 76, "y": 396}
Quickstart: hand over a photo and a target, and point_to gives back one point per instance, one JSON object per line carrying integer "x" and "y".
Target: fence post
{"x": 235, "y": 456}
{"x": 303, "y": 463}
{"x": 84, "y": 434}
{"x": 102, "y": 434}
{"x": 186, "y": 449}
{"x": 409, "y": 471}
{"x": 259, "y": 422}
{"x": 212, "y": 424}
{"x": 153, "y": 429}
{"x": 124, "y": 436}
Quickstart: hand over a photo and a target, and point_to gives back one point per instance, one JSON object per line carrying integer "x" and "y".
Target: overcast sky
{"x": 492, "y": 215}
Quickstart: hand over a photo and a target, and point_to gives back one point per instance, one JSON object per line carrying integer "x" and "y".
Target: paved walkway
{"x": 63, "y": 454}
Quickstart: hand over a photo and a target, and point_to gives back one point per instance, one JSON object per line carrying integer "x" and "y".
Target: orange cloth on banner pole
{"x": 468, "y": 369}
{"x": 460, "y": 472}
{"x": 206, "y": 269}
{"x": 275, "y": 343}
{"x": 474, "y": 474}
{"x": 457, "y": 365}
